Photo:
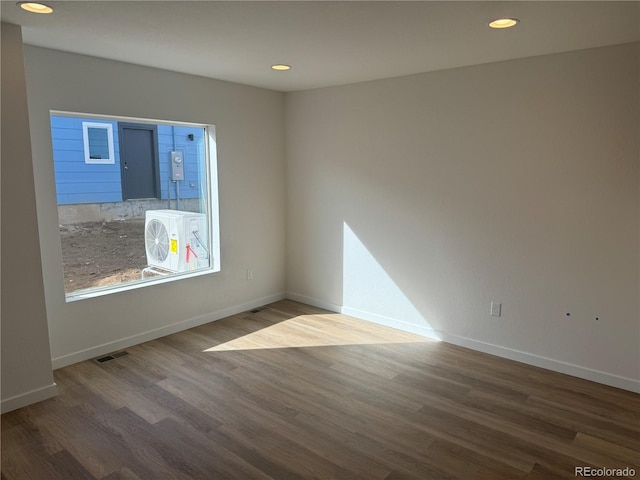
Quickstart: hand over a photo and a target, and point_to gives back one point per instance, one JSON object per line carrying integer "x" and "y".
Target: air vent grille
{"x": 111, "y": 356}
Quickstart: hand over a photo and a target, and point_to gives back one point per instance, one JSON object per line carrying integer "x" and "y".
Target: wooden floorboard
{"x": 295, "y": 392}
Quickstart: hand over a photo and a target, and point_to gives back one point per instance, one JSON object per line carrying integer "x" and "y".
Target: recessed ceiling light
{"x": 280, "y": 67}
{"x": 504, "y": 23}
{"x": 35, "y": 7}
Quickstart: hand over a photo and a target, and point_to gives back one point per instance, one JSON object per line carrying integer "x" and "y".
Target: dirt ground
{"x": 98, "y": 254}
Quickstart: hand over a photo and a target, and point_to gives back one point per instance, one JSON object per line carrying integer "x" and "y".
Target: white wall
{"x": 428, "y": 195}
{"x": 249, "y": 129}
{"x": 26, "y": 360}
{"x": 515, "y": 182}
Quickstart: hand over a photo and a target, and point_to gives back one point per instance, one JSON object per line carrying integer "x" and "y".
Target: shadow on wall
{"x": 368, "y": 288}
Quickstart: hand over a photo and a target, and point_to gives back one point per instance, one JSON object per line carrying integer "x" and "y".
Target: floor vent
{"x": 112, "y": 356}
{"x": 259, "y": 309}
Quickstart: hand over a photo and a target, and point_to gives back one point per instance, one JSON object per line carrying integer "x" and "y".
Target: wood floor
{"x": 292, "y": 392}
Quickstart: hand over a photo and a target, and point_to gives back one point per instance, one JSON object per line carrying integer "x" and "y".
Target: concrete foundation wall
{"x": 110, "y": 211}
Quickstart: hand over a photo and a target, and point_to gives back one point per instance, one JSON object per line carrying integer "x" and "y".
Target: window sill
{"x": 102, "y": 291}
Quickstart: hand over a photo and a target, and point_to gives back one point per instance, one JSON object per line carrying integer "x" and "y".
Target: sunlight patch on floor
{"x": 319, "y": 331}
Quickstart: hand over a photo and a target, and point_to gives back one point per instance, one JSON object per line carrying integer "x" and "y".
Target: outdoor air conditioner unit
{"x": 176, "y": 241}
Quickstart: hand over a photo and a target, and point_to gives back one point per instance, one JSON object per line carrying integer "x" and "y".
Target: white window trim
{"x": 211, "y": 207}
{"x": 85, "y": 137}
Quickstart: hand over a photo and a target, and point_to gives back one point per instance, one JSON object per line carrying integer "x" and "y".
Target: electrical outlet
{"x": 496, "y": 309}
{"x": 249, "y": 273}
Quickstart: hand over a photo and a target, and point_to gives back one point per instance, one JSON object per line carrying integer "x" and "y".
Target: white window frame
{"x": 85, "y": 137}
{"x": 211, "y": 206}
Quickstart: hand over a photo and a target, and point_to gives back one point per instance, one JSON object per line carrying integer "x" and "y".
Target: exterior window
{"x": 98, "y": 143}
{"x": 137, "y": 201}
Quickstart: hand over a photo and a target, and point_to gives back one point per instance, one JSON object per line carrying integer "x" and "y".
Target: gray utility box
{"x": 177, "y": 166}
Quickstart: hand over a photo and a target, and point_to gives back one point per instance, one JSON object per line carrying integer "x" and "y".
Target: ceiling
{"x": 328, "y": 42}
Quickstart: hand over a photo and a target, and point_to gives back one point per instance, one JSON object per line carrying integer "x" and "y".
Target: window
{"x": 137, "y": 201}
{"x": 98, "y": 142}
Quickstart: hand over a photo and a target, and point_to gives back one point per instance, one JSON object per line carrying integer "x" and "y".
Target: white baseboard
{"x": 24, "y": 399}
{"x": 497, "y": 350}
{"x": 391, "y": 322}
{"x": 544, "y": 362}
{"x": 314, "y": 302}
{"x": 504, "y": 352}
{"x": 126, "y": 342}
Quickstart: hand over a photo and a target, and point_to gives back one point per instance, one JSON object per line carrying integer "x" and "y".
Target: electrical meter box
{"x": 177, "y": 166}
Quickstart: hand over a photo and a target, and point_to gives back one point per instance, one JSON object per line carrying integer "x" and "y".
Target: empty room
{"x": 374, "y": 240}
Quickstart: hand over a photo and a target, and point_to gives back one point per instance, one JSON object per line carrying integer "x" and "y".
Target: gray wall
{"x": 26, "y": 359}
{"x": 517, "y": 182}
{"x": 250, "y": 145}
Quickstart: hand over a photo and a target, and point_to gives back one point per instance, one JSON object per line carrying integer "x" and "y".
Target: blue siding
{"x": 91, "y": 198}
{"x": 102, "y": 187}
{"x": 193, "y": 153}
{"x": 76, "y": 181}
{"x": 70, "y": 167}
{"x": 90, "y": 179}
{"x": 64, "y": 133}
{"x": 65, "y": 122}
{"x": 69, "y": 145}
